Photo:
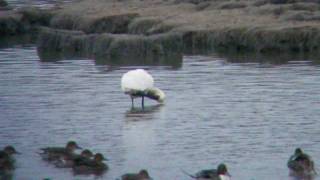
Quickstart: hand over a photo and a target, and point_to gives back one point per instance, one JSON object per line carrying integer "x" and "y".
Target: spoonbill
{"x": 139, "y": 83}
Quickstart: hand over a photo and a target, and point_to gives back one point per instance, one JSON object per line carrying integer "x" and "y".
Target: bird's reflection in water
{"x": 6, "y": 175}
{"x": 139, "y": 113}
{"x": 92, "y": 175}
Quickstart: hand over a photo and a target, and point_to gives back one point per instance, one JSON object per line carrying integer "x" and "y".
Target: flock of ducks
{"x": 65, "y": 157}
{"x": 300, "y": 164}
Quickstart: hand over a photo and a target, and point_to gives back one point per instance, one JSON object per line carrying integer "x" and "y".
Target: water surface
{"x": 250, "y": 115}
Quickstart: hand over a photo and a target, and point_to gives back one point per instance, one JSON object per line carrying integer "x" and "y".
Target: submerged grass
{"x": 300, "y": 39}
{"x": 10, "y": 25}
{"x": 107, "y": 46}
{"x": 23, "y": 21}
{"x": 3, "y": 3}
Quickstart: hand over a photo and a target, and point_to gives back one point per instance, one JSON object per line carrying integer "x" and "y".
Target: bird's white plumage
{"x": 224, "y": 177}
{"x": 138, "y": 79}
{"x": 160, "y": 93}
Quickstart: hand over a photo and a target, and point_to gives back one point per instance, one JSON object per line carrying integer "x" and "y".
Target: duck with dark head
{"x": 142, "y": 175}
{"x": 56, "y": 153}
{"x": 69, "y": 161}
{"x": 301, "y": 165}
{"x": 90, "y": 166}
{"x": 221, "y": 173}
{"x": 7, "y": 161}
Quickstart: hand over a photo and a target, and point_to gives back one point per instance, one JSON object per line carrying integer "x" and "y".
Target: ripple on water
{"x": 249, "y": 116}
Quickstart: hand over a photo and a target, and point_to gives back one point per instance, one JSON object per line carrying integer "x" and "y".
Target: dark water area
{"x": 174, "y": 61}
{"x": 219, "y": 108}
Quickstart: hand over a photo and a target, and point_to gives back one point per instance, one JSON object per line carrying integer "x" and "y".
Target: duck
{"x": 221, "y": 173}
{"x": 86, "y": 154}
{"x": 7, "y": 162}
{"x": 301, "y": 165}
{"x": 139, "y": 83}
{"x": 6, "y": 168}
{"x": 90, "y": 166}
{"x": 56, "y": 153}
{"x": 69, "y": 161}
{"x": 142, "y": 175}
{"x": 10, "y": 150}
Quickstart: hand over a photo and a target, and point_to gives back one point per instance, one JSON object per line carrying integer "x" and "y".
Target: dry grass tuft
{"x": 259, "y": 3}
{"x": 143, "y": 25}
{"x": 303, "y": 16}
{"x": 280, "y": 1}
{"x": 232, "y": 5}
{"x": 66, "y": 21}
{"x": 36, "y": 16}
{"x": 116, "y": 24}
{"x": 305, "y": 6}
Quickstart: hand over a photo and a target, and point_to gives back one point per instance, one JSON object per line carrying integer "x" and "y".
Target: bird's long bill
{"x": 17, "y": 152}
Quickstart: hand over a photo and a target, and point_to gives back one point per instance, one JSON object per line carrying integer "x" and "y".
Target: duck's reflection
{"x": 6, "y": 174}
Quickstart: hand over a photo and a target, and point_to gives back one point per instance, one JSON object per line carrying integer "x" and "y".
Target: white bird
{"x": 139, "y": 83}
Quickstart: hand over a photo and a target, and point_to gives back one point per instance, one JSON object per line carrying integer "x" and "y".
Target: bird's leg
{"x": 142, "y": 102}
{"x": 132, "y": 103}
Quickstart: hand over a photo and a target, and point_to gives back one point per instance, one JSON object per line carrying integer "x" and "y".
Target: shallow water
{"x": 249, "y": 115}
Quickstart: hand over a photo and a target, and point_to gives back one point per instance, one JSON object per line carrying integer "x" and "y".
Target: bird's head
{"x": 222, "y": 169}
{"x": 72, "y": 145}
{"x": 298, "y": 151}
{"x": 86, "y": 153}
{"x": 144, "y": 174}
{"x": 10, "y": 150}
{"x": 155, "y": 94}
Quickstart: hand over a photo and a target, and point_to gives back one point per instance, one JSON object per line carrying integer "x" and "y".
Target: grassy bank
{"x": 163, "y": 49}
{"x": 26, "y": 20}
{"x": 250, "y": 25}
{"x": 150, "y": 29}
{"x": 264, "y": 40}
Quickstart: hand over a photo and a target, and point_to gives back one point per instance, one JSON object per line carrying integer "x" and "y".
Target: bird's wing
{"x": 295, "y": 166}
{"x": 188, "y": 174}
{"x": 208, "y": 173}
{"x": 129, "y": 176}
